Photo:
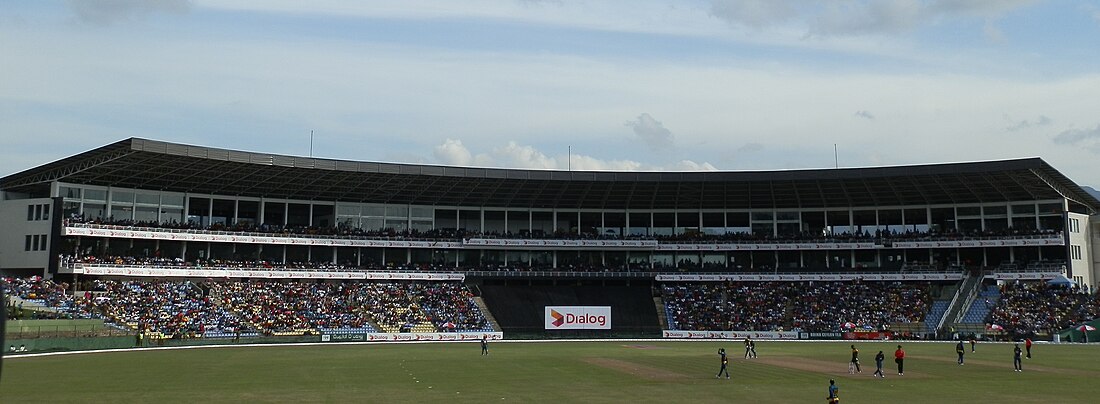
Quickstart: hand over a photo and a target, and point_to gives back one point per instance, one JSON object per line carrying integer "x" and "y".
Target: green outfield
{"x": 647, "y": 371}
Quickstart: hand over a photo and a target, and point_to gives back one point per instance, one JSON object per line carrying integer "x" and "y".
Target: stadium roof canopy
{"x": 156, "y": 165}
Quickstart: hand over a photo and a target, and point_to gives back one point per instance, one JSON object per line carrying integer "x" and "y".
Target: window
{"x": 69, "y": 192}
{"x": 38, "y": 212}
{"x": 35, "y": 242}
{"x": 120, "y": 196}
{"x": 1075, "y": 252}
{"x": 1074, "y": 225}
{"x": 95, "y": 195}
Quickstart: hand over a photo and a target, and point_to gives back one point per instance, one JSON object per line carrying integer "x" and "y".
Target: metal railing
{"x": 660, "y": 240}
{"x": 64, "y": 331}
{"x": 954, "y": 298}
{"x": 521, "y": 273}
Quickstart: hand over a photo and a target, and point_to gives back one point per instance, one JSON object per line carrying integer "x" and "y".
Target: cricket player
{"x": 834, "y": 392}
{"x": 853, "y": 365}
{"x": 878, "y": 364}
{"x": 725, "y": 363}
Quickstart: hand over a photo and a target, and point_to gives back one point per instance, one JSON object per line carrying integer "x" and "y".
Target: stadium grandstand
{"x": 181, "y": 241}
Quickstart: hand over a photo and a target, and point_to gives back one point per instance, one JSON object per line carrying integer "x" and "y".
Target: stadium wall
{"x": 1081, "y": 267}
{"x": 26, "y": 235}
{"x": 519, "y": 307}
{"x": 71, "y": 344}
{"x": 1093, "y": 229}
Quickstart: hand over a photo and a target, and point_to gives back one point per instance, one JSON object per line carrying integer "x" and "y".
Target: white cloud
{"x": 452, "y": 152}
{"x": 652, "y": 133}
{"x": 1042, "y": 120}
{"x": 688, "y": 165}
{"x": 786, "y": 22}
{"x": 1091, "y": 10}
{"x": 106, "y": 12}
{"x": 992, "y": 31}
{"x": 865, "y": 114}
{"x": 754, "y": 13}
{"x": 858, "y": 17}
{"x": 652, "y": 16}
{"x": 1088, "y": 138}
{"x": 874, "y": 17}
{"x": 752, "y": 147}
{"x": 589, "y": 163}
{"x": 983, "y": 8}
{"x": 515, "y": 155}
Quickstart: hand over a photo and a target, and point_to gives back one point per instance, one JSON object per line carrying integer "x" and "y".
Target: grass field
{"x": 648, "y": 371}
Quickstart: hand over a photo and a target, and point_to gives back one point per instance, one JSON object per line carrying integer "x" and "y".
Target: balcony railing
{"x": 625, "y": 243}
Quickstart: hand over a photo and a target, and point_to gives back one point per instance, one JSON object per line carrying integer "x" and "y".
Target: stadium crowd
{"x": 808, "y": 306}
{"x": 160, "y": 308}
{"x": 828, "y": 306}
{"x": 185, "y": 309}
{"x": 740, "y": 306}
{"x": 42, "y": 292}
{"x": 292, "y": 307}
{"x": 1029, "y": 308}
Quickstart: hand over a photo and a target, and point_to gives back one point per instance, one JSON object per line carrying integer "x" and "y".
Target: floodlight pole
{"x": 569, "y": 159}
{"x": 311, "y": 143}
{"x": 836, "y": 158}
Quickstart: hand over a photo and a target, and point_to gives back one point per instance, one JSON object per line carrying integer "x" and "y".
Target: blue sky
{"x": 628, "y": 85}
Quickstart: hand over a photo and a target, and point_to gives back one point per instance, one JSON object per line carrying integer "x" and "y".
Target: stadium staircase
{"x": 371, "y": 323}
{"x": 215, "y": 297}
{"x": 963, "y": 298}
{"x": 421, "y": 325}
{"x": 788, "y": 315}
{"x": 662, "y": 311}
{"x": 485, "y": 312}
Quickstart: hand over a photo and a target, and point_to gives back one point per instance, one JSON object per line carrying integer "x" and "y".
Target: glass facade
{"x": 146, "y": 206}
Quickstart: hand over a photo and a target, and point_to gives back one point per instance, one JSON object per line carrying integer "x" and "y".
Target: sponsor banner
{"x": 413, "y": 336}
{"x": 765, "y": 246}
{"x": 869, "y": 335}
{"x": 730, "y": 334}
{"x": 414, "y": 276}
{"x": 1011, "y": 276}
{"x": 820, "y": 335}
{"x": 517, "y": 243}
{"x": 577, "y": 317}
{"x": 255, "y": 273}
{"x": 249, "y": 239}
{"x": 811, "y": 277}
{"x": 1048, "y": 241}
